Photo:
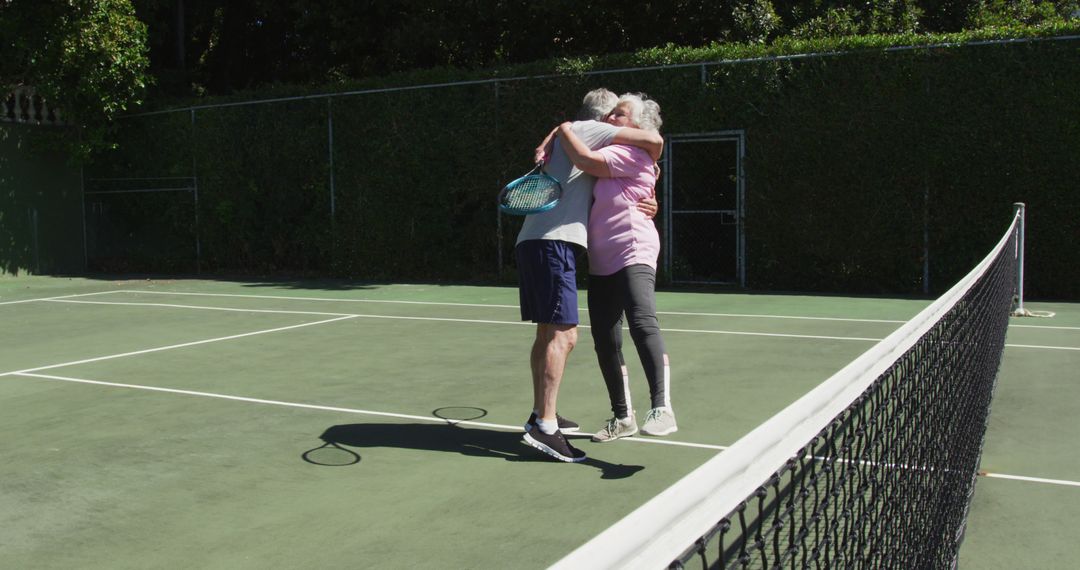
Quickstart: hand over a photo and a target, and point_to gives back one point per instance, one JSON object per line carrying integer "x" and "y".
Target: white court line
{"x": 495, "y": 306}
{"x": 1042, "y": 347}
{"x": 313, "y": 313}
{"x": 789, "y": 317}
{"x": 440, "y": 319}
{"x": 780, "y": 335}
{"x": 170, "y": 347}
{"x": 325, "y": 299}
{"x": 175, "y": 306}
{"x": 432, "y": 419}
{"x": 1030, "y": 479}
{"x": 54, "y": 298}
{"x": 583, "y": 309}
{"x": 518, "y": 323}
{"x": 30, "y": 372}
{"x": 1044, "y": 327}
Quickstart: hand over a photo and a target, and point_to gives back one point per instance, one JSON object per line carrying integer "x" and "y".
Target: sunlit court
{"x": 215, "y": 423}
{"x": 569, "y": 286}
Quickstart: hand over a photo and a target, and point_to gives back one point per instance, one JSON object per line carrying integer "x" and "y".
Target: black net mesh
{"x": 888, "y": 483}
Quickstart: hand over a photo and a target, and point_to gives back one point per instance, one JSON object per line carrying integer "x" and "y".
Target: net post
{"x": 1019, "y": 210}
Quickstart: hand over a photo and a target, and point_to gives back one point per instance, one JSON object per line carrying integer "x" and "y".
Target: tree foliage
{"x": 91, "y": 57}
{"x": 87, "y": 57}
{"x": 985, "y": 13}
{"x": 221, "y": 46}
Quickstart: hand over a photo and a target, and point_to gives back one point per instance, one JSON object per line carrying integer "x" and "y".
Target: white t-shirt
{"x": 568, "y": 221}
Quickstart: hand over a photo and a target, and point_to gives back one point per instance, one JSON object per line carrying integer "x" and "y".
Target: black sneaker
{"x": 555, "y": 445}
{"x": 565, "y": 425}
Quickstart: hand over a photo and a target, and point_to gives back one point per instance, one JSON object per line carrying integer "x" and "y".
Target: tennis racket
{"x": 531, "y": 194}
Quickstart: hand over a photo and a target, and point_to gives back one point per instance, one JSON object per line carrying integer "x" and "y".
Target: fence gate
{"x": 704, "y": 191}
{"x": 142, "y": 224}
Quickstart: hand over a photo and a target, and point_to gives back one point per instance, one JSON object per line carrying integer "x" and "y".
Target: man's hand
{"x": 544, "y": 149}
{"x": 648, "y": 206}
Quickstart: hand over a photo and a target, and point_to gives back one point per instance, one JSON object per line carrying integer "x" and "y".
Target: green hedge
{"x": 859, "y": 158}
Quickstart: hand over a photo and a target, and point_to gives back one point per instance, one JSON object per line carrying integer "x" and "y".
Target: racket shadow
{"x": 472, "y": 442}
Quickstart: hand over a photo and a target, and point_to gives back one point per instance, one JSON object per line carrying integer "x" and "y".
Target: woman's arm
{"x": 589, "y": 161}
{"x": 649, "y": 141}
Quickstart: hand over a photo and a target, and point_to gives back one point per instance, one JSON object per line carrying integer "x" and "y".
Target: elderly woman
{"x": 623, "y": 249}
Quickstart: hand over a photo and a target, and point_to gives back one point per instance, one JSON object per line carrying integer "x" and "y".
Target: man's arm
{"x": 649, "y": 141}
{"x": 545, "y": 146}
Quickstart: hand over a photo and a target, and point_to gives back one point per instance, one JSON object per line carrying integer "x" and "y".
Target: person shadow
{"x": 447, "y": 438}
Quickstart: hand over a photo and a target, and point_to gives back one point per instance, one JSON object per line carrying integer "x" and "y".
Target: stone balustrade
{"x": 22, "y": 105}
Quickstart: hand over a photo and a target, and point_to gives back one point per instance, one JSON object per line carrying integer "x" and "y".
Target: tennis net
{"x": 874, "y": 468}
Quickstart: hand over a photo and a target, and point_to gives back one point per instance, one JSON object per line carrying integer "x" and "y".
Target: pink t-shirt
{"x": 620, "y": 235}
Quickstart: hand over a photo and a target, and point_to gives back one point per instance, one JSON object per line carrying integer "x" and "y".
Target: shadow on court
{"x": 508, "y": 446}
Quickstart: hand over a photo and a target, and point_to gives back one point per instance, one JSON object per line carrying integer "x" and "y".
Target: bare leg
{"x": 536, "y": 363}
{"x": 550, "y": 350}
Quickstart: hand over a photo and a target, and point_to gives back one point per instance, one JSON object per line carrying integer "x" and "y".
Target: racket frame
{"x": 536, "y": 172}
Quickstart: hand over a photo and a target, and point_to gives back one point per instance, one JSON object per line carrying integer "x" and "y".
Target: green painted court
{"x": 244, "y": 424}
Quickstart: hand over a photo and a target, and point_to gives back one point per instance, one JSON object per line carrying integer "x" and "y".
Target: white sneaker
{"x": 659, "y": 421}
{"x": 616, "y": 428}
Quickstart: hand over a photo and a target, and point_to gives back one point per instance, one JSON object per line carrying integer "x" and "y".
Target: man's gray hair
{"x": 597, "y": 104}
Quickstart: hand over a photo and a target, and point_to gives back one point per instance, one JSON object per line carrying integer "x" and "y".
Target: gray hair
{"x": 644, "y": 112}
{"x": 597, "y": 104}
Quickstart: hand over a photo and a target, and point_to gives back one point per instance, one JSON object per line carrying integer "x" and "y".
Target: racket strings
{"x": 531, "y": 192}
{"x": 531, "y": 195}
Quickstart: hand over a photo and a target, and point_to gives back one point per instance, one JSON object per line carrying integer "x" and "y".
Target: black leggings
{"x": 631, "y": 290}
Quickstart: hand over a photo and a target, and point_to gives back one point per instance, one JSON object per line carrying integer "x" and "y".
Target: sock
{"x": 547, "y": 426}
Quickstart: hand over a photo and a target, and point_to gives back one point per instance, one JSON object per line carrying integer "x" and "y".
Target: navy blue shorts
{"x": 547, "y": 281}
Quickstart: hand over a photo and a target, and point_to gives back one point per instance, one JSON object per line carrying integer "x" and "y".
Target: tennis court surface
{"x": 240, "y": 424}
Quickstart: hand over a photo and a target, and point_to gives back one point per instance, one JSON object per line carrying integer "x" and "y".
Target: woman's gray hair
{"x": 644, "y": 112}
